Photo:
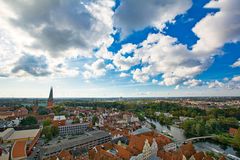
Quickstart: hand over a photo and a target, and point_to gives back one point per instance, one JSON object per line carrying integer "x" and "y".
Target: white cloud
{"x": 154, "y": 81}
{"x": 123, "y": 75}
{"x": 236, "y": 64}
{"x": 133, "y": 15}
{"x": 234, "y": 83}
{"x": 217, "y": 29}
{"x": 229, "y": 84}
{"x": 36, "y": 66}
{"x": 104, "y": 53}
{"x": 110, "y": 67}
{"x": 164, "y": 56}
{"x": 236, "y": 79}
{"x": 215, "y": 84}
{"x": 177, "y": 87}
{"x": 127, "y": 48}
{"x": 53, "y": 31}
{"x": 124, "y": 63}
{"x": 141, "y": 75}
{"x": 176, "y": 63}
{"x": 96, "y": 69}
{"x": 193, "y": 83}
{"x": 59, "y": 29}
{"x": 61, "y": 70}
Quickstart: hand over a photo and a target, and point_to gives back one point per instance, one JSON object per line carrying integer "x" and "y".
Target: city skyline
{"x": 120, "y": 48}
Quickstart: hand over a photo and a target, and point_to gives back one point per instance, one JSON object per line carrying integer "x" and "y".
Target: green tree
{"x": 141, "y": 116}
{"x": 50, "y": 131}
{"x": 47, "y": 122}
{"x": 57, "y": 109}
{"x": 76, "y": 120}
{"x": 30, "y": 120}
{"x": 81, "y": 115}
{"x": 236, "y": 139}
{"x": 95, "y": 120}
{"x": 54, "y": 131}
{"x": 42, "y": 111}
{"x": 153, "y": 126}
{"x": 47, "y": 133}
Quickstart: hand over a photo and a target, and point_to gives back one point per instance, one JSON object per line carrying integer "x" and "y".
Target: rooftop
{"x": 24, "y": 134}
{"x": 141, "y": 130}
{"x": 5, "y": 132}
{"x": 59, "y": 118}
{"x": 19, "y": 149}
{"x": 75, "y": 141}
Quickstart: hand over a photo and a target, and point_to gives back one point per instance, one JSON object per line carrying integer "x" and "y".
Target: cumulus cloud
{"x": 40, "y": 66}
{"x": 55, "y": 29}
{"x": 193, "y": 83}
{"x": 164, "y": 56}
{"x": 124, "y": 62}
{"x": 110, "y": 67}
{"x": 176, "y": 63}
{"x": 236, "y": 79}
{"x": 177, "y": 87}
{"x": 217, "y": 29}
{"x": 58, "y": 26}
{"x": 133, "y": 15}
{"x": 33, "y": 65}
{"x": 154, "y": 81}
{"x": 141, "y": 75}
{"x": 215, "y": 84}
{"x": 96, "y": 69}
{"x": 61, "y": 69}
{"x": 127, "y": 48}
{"x": 234, "y": 83}
{"x": 123, "y": 75}
{"x": 236, "y": 64}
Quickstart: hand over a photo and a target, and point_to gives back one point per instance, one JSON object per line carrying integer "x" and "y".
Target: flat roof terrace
{"x": 19, "y": 150}
{"x": 68, "y": 143}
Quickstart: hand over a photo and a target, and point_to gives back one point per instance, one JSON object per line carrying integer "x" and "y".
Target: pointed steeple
{"x": 51, "y": 94}
{"x": 50, "y": 99}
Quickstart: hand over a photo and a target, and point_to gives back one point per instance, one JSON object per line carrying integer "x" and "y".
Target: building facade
{"x": 59, "y": 121}
{"x": 149, "y": 152}
{"x": 72, "y": 129}
{"x": 86, "y": 141}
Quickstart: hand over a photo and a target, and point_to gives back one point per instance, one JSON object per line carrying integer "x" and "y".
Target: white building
{"x": 72, "y": 129}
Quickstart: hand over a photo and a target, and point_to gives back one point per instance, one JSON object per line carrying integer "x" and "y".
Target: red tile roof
{"x": 199, "y": 156}
{"x": 19, "y": 149}
{"x": 187, "y": 150}
{"x": 136, "y": 142}
{"x": 170, "y": 155}
{"x": 123, "y": 152}
{"x": 233, "y": 131}
{"x": 65, "y": 155}
{"x": 222, "y": 158}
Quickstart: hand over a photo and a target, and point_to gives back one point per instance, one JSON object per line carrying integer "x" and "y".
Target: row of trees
{"x": 202, "y": 126}
{"x": 227, "y": 139}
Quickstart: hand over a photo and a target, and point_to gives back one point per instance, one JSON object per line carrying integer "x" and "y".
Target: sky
{"x": 119, "y": 48}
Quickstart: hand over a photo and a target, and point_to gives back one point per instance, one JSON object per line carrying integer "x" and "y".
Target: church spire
{"x": 50, "y": 99}
{"x": 51, "y": 94}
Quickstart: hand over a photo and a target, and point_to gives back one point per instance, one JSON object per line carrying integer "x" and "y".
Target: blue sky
{"x": 127, "y": 48}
